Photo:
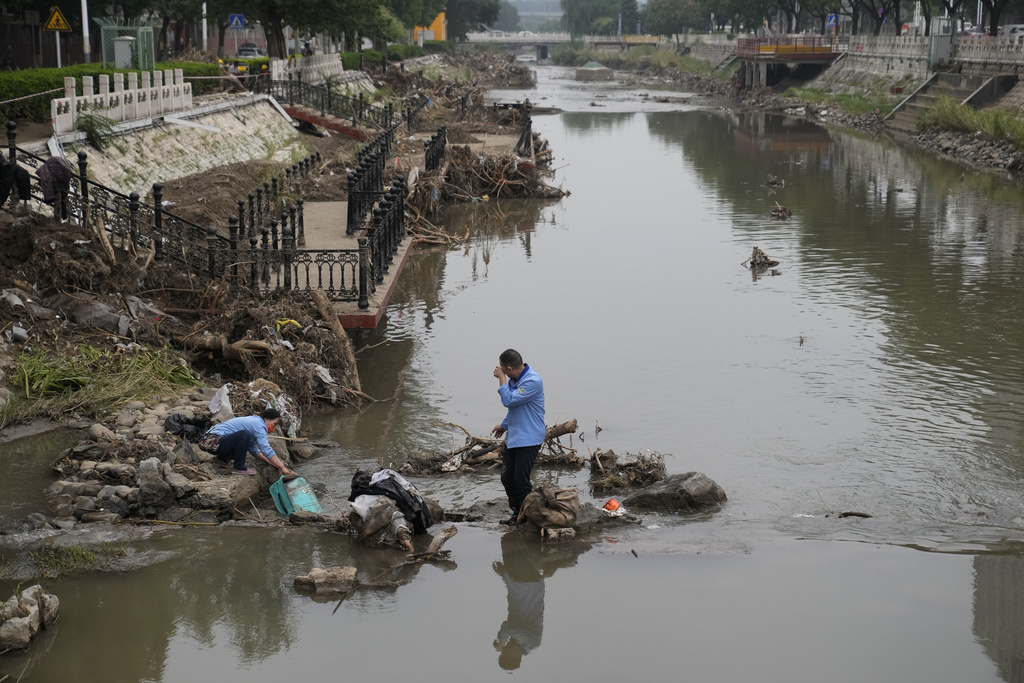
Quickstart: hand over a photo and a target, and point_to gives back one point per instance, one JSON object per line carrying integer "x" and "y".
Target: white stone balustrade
{"x": 314, "y": 69}
{"x": 157, "y": 94}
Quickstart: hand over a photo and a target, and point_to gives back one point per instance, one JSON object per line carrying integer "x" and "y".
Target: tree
{"x": 468, "y": 15}
{"x": 415, "y": 12}
{"x": 630, "y": 13}
{"x": 508, "y": 17}
{"x": 582, "y": 16}
{"x": 668, "y": 17}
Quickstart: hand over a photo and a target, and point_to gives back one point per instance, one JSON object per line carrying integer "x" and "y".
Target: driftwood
{"x": 479, "y": 450}
{"x": 780, "y": 213}
{"x": 229, "y": 350}
{"x": 344, "y": 344}
{"x": 759, "y": 260}
{"x": 434, "y": 549}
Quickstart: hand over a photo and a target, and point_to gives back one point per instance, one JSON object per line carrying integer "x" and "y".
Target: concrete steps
{"x": 955, "y": 86}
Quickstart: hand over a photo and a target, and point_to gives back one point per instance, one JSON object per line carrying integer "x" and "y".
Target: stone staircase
{"x": 972, "y": 90}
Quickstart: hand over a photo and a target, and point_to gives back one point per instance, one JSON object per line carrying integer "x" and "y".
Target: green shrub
{"x": 401, "y": 52}
{"x": 15, "y": 84}
{"x": 430, "y": 46}
{"x": 999, "y": 124}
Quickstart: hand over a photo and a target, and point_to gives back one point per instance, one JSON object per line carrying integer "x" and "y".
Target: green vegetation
{"x": 53, "y": 383}
{"x": 996, "y": 123}
{"x": 53, "y": 560}
{"x": 852, "y": 103}
{"x": 98, "y": 129}
{"x": 33, "y": 81}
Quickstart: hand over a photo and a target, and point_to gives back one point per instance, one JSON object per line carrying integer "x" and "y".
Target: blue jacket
{"x": 524, "y": 398}
{"x": 256, "y": 427}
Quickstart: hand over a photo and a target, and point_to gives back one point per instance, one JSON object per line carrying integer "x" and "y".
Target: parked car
{"x": 250, "y": 51}
{"x": 527, "y": 34}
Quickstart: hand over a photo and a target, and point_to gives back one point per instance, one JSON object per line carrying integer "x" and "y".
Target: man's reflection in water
{"x": 525, "y": 563}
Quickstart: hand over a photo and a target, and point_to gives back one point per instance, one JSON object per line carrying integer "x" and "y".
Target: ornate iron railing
{"x": 324, "y": 99}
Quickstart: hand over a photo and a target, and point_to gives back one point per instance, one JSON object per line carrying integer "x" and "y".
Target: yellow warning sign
{"x": 57, "y": 22}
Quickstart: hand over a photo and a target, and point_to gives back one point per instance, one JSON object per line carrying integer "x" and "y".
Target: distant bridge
{"x": 556, "y": 38}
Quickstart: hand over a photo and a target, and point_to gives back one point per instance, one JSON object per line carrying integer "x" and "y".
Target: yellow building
{"x": 439, "y": 28}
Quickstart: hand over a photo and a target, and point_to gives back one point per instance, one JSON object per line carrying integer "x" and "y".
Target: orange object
{"x": 612, "y": 505}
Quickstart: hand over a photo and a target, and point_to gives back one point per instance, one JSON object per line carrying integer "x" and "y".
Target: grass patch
{"x": 852, "y": 103}
{"x": 999, "y": 124}
{"x": 91, "y": 382}
{"x": 53, "y": 560}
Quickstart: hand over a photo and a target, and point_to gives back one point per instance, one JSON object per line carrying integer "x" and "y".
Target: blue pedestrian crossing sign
{"x": 833, "y": 19}
{"x": 236, "y": 21}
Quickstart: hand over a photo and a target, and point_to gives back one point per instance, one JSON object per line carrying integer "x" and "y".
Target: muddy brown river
{"x": 880, "y": 371}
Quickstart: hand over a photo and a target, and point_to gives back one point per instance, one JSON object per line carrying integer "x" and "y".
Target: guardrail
{"x": 791, "y": 47}
{"x": 324, "y": 99}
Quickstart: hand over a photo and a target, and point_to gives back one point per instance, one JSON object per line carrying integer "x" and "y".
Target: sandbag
{"x": 551, "y": 508}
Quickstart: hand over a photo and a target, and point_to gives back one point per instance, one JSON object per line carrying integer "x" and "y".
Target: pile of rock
{"x": 135, "y": 468}
{"x": 973, "y": 148}
{"x": 23, "y": 616}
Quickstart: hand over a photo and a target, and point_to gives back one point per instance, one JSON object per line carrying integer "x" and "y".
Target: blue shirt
{"x": 524, "y": 398}
{"x": 255, "y": 426}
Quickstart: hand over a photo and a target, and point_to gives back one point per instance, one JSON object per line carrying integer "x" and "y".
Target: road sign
{"x": 57, "y": 22}
{"x": 833, "y": 19}
{"x": 236, "y": 21}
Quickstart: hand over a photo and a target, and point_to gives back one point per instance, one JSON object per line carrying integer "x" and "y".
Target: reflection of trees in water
{"x": 240, "y": 592}
{"x": 584, "y": 122}
{"x": 525, "y": 564}
{"x": 931, "y": 252}
{"x": 999, "y": 612}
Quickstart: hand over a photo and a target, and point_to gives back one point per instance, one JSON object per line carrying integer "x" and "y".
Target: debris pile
{"x": 759, "y": 261}
{"x": 607, "y": 475}
{"x": 780, "y": 213}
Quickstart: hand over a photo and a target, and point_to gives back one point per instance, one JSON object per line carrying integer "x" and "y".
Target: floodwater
{"x": 879, "y": 372}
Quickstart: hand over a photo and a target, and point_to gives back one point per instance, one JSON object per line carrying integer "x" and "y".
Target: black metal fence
{"x": 324, "y": 99}
{"x": 435, "y": 149}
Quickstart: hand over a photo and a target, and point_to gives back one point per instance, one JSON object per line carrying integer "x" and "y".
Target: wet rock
{"x": 301, "y": 451}
{"x": 689, "y": 492}
{"x": 62, "y": 505}
{"x": 483, "y": 511}
{"x": 65, "y": 523}
{"x": 155, "y": 493}
{"x": 115, "y": 505}
{"x": 24, "y": 615}
{"x": 336, "y": 580}
{"x": 174, "y": 514}
{"x": 304, "y": 517}
{"x": 84, "y": 504}
{"x": 99, "y": 516}
{"x": 98, "y": 432}
{"x": 36, "y": 521}
{"x": 593, "y": 518}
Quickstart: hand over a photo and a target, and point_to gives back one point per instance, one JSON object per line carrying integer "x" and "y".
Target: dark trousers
{"x": 515, "y": 473}
{"x": 234, "y": 446}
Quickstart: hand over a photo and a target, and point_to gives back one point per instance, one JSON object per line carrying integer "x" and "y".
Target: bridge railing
{"x": 752, "y": 48}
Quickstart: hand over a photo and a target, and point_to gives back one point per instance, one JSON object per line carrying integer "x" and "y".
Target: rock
{"x": 36, "y": 521}
{"x": 5, "y": 396}
{"x": 592, "y": 518}
{"x": 126, "y": 418}
{"x": 155, "y": 493}
{"x": 100, "y": 517}
{"x": 331, "y": 580}
{"x": 149, "y": 465}
{"x": 117, "y": 470}
{"x": 151, "y": 430}
{"x": 91, "y": 488}
{"x": 135, "y": 405}
{"x": 123, "y": 491}
{"x": 84, "y": 504}
{"x": 484, "y": 511}
{"x": 98, "y": 432}
{"x": 65, "y": 523}
{"x": 87, "y": 466}
{"x": 174, "y": 514}
{"x": 106, "y": 492}
{"x": 116, "y": 505}
{"x": 180, "y": 485}
{"x": 184, "y": 452}
{"x": 689, "y": 492}
{"x": 24, "y": 615}
{"x": 212, "y": 495}
{"x": 304, "y": 517}
{"x": 301, "y": 451}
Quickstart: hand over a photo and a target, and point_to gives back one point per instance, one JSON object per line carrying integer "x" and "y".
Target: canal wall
{"x": 238, "y": 131}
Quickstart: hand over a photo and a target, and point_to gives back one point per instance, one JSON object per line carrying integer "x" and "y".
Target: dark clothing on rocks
{"x": 55, "y": 182}
{"x": 14, "y": 177}
{"x": 395, "y": 487}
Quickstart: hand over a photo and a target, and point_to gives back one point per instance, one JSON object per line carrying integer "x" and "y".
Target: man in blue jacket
{"x": 522, "y": 392}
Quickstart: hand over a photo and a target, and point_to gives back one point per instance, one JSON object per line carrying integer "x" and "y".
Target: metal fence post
{"x": 254, "y": 253}
{"x": 12, "y": 143}
{"x": 83, "y": 185}
{"x": 288, "y": 245}
{"x": 211, "y": 240}
{"x": 233, "y": 232}
{"x": 252, "y": 214}
{"x": 158, "y": 221}
{"x": 133, "y": 218}
{"x": 364, "y": 274}
{"x": 302, "y": 223}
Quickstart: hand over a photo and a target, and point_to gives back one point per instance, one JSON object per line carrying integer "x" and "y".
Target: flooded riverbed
{"x": 880, "y": 372}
